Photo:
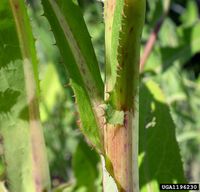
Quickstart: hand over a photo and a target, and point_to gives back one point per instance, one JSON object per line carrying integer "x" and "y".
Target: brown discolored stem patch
{"x": 118, "y": 142}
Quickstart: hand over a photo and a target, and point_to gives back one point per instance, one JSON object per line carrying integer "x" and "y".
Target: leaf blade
{"x": 159, "y": 154}
{"x": 78, "y": 55}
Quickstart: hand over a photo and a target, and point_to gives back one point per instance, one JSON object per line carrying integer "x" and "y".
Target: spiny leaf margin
{"x": 67, "y": 22}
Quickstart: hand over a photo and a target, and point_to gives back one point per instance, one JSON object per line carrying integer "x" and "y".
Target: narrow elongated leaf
{"x": 79, "y": 59}
{"x": 159, "y": 154}
{"x": 20, "y": 128}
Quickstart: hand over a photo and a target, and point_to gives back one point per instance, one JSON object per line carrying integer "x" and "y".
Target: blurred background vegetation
{"x": 174, "y": 63}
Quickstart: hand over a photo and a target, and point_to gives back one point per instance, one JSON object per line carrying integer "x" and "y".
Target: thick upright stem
{"x": 124, "y": 20}
{"x": 121, "y": 149}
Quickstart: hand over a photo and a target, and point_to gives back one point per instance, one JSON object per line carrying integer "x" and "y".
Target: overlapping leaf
{"x": 159, "y": 154}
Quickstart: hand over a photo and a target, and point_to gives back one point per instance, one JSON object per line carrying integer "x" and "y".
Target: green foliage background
{"x": 174, "y": 65}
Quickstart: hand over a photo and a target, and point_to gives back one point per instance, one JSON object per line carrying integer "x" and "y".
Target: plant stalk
{"x": 39, "y": 164}
{"x": 124, "y": 20}
{"x": 121, "y": 145}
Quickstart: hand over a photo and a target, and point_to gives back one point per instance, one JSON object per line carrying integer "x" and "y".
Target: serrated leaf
{"x": 74, "y": 43}
{"x": 159, "y": 154}
{"x": 20, "y": 128}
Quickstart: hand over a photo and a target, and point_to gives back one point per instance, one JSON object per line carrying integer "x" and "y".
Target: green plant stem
{"x": 40, "y": 170}
{"x": 124, "y": 21}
